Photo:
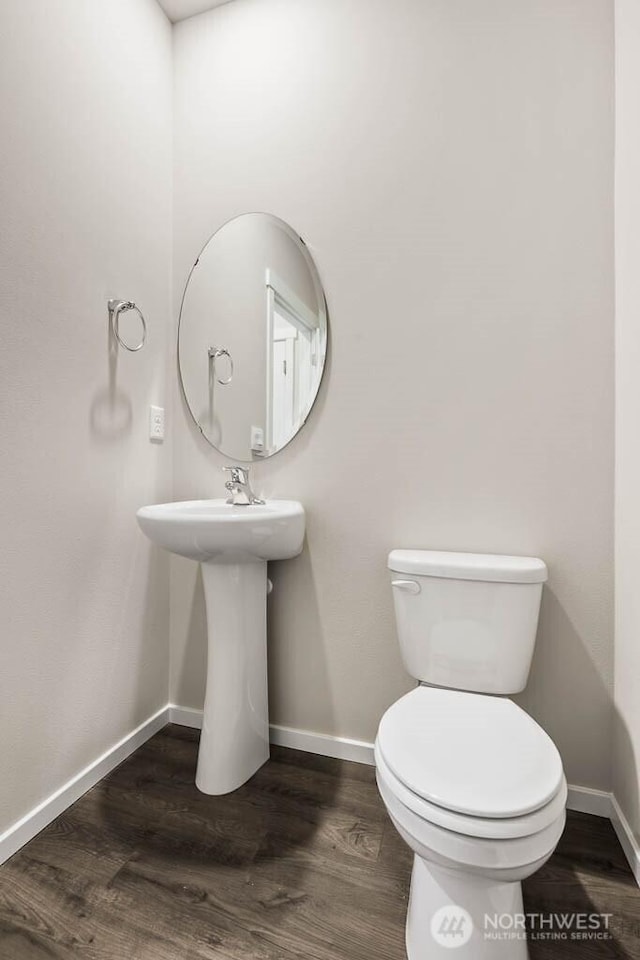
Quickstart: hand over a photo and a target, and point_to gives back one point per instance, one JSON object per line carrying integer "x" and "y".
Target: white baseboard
{"x": 628, "y": 841}
{"x": 586, "y": 800}
{"x": 358, "y": 751}
{"x": 185, "y": 716}
{"x": 583, "y": 799}
{"x": 342, "y": 748}
{"x": 38, "y": 818}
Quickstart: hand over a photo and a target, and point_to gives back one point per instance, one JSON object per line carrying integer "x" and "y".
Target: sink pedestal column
{"x": 235, "y": 729}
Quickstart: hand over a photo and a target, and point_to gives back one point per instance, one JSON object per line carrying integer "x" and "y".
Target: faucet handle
{"x": 238, "y": 474}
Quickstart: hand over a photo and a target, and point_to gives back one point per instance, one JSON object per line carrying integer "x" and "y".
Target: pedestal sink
{"x": 233, "y": 544}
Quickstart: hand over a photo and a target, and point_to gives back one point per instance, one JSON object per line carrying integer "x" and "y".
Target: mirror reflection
{"x": 252, "y": 337}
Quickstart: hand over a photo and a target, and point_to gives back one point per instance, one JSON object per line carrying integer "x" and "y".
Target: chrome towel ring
{"x": 214, "y": 353}
{"x": 116, "y": 307}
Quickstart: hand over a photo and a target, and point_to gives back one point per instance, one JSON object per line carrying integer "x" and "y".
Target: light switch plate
{"x": 257, "y": 439}
{"x": 156, "y": 424}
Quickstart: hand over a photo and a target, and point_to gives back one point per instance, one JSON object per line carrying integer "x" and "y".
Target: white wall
{"x": 627, "y": 673}
{"x": 85, "y": 178}
{"x": 450, "y": 165}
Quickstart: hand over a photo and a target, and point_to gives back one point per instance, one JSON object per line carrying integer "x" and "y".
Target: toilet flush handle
{"x": 409, "y": 586}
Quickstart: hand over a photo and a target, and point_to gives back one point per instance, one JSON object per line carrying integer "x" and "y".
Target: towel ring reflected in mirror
{"x": 214, "y": 353}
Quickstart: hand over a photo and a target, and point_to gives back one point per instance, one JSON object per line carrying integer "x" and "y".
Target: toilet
{"x": 471, "y": 782}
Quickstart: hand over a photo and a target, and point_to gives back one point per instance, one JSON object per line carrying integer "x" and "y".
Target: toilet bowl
{"x": 471, "y": 782}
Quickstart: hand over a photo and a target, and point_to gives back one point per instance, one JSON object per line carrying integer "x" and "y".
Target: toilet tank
{"x": 466, "y": 620}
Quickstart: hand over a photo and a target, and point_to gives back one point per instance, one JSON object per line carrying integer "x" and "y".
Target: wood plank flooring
{"x": 301, "y": 862}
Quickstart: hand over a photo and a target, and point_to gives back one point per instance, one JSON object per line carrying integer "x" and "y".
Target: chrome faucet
{"x": 239, "y": 487}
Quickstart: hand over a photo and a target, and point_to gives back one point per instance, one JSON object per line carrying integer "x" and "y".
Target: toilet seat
{"x": 503, "y": 859}
{"x": 472, "y": 756}
{"x": 496, "y": 828}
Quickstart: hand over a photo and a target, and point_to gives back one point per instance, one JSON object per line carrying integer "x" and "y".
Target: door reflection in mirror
{"x": 293, "y": 344}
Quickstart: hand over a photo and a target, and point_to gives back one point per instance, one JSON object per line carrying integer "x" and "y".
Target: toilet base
{"x": 449, "y": 909}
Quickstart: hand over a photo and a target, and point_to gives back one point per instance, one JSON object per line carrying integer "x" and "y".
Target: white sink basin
{"x": 233, "y": 544}
{"x": 214, "y": 531}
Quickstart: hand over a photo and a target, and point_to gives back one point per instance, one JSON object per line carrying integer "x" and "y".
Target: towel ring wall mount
{"x": 116, "y": 307}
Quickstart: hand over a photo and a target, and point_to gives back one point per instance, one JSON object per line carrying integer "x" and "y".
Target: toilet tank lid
{"x": 468, "y": 566}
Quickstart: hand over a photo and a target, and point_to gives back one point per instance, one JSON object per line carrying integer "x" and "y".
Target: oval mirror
{"x": 252, "y": 337}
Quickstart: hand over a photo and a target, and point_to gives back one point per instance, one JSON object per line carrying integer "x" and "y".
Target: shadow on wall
{"x": 186, "y": 415}
{"x": 559, "y": 886}
{"x": 153, "y": 654}
{"x": 625, "y": 784}
{"x": 558, "y": 646}
{"x": 299, "y": 682}
{"x": 110, "y": 414}
{"x": 193, "y": 666}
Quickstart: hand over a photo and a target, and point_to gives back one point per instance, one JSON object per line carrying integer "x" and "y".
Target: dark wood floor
{"x": 301, "y": 862}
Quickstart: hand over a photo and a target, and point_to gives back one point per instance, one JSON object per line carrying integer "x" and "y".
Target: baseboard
{"x": 358, "y": 751}
{"x": 185, "y": 716}
{"x": 582, "y": 799}
{"x": 38, "y": 818}
{"x": 342, "y": 748}
{"x": 627, "y": 838}
{"x": 586, "y": 800}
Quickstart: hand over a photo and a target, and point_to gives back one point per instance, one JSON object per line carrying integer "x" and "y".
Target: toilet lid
{"x": 470, "y": 753}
